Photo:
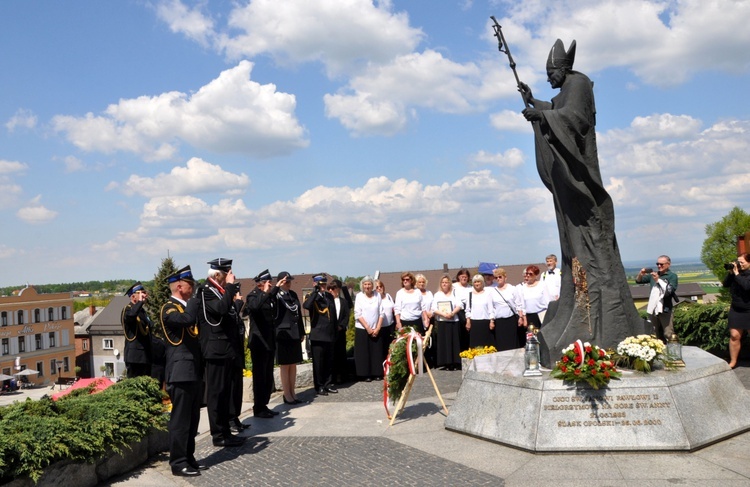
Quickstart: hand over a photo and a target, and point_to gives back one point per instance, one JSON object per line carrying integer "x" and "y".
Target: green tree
{"x": 720, "y": 246}
{"x": 159, "y": 293}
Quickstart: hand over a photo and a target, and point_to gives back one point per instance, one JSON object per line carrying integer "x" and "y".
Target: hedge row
{"x": 79, "y": 426}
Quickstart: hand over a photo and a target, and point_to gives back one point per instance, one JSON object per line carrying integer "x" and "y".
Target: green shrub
{"x": 703, "y": 325}
{"x": 79, "y": 426}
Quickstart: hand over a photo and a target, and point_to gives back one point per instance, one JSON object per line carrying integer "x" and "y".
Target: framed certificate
{"x": 445, "y": 306}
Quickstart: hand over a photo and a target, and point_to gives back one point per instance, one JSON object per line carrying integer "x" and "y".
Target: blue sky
{"x": 349, "y": 135}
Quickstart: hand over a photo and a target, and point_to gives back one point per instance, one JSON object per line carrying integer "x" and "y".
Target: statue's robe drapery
{"x": 568, "y": 165}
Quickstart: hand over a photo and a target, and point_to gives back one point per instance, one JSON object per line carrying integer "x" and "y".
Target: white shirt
{"x": 553, "y": 282}
{"x": 535, "y": 298}
{"x": 507, "y": 301}
{"x": 367, "y": 308}
{"x": 481, "y": 306}
{"x": 427, "y": 298}
{"x": 408, "y": 304}
{"x": 387, "y": 309}
{"x": 452, "y": 297}
{"x": 463, "y": 293}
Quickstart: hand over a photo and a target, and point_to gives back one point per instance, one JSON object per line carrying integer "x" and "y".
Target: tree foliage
{"x": 159, "y": 292}
{"x": 720, "y": 245}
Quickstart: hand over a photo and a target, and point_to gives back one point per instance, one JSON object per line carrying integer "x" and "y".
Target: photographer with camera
{"x": 662, "y": 298}
{"x": 738, "y": 282}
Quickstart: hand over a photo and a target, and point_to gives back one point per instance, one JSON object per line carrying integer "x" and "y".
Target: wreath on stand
{"x": 400, "y": 365}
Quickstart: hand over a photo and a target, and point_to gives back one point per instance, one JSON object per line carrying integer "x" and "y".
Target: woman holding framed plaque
{"x": 446, "y": 306}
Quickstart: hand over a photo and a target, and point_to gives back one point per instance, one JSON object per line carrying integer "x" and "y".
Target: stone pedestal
{"x": 681, "y": 409}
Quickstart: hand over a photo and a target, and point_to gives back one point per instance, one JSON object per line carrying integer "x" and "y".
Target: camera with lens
{"x": 730, "y": 266}
{"x": 648, "y": 270}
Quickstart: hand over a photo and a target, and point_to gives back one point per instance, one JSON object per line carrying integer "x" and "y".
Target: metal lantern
{"x": 531, "y": 354}
{"x": 674, "y": 351}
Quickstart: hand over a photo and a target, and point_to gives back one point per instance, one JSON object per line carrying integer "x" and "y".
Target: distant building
{"x": 36, "y": 332}
{"x": 108, "y": 340}
{"x": 83, "y": 320}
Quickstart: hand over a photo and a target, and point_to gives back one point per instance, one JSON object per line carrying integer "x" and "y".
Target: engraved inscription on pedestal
{"x": 646, "y": 416}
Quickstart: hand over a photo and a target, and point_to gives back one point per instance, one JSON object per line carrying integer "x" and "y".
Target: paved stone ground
{"x": 344, "y": 439}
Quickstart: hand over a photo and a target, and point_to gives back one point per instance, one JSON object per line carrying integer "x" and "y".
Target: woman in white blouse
{"x": 480, "y": 315}
{"x": 430, "y": 353}
{"x": 408, "y": 307}
{"x": 387, "y": 303}
{"x": 535, "y": 298}
{"x": 463, "y": 288}
{"x": 509, "y": 311}
{"x": 368, "y": 335}
{"x": 445, "y": 309}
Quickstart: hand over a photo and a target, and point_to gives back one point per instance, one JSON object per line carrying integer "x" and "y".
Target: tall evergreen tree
{"x": 159, "y": 293}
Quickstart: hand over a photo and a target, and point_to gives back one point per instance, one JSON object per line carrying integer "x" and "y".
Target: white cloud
{"x": 342, "y": 34}
{"x": 10, "y": 167}
{"x": 22, "y": 118}
{"x": 394, "y": 214}
{"x": 73, "y": 164}
{"x": 190, "y": 22}
{"x": 511, "y": 121}
{"x": 229, "y": 114}
{"x": 377, "y": 101}
{"x": 509, "y": 159}
{"x": 197, "y": 176}
{"x": 35, "y": 212}
{"x": 664, "y": 43}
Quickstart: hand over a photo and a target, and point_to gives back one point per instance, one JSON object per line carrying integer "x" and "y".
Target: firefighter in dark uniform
{"x": 260, "y": 305}
{"x": 183, "y": 372}
{"x": 217, "y": 318}
{"x": 322, "y": 308}
{"x": 236, "y": 383}
{"x": 136, "y": 326}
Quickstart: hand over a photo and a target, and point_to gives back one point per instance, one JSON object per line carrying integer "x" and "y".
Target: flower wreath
{"x": 584, "y": 362}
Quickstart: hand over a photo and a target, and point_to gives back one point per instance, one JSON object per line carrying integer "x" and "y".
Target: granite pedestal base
{"x": 667, "y": 410}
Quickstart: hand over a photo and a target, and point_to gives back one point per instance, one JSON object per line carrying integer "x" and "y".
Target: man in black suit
{"x": 343, "y": 308}
{"x": 260, "y": 304}
{"x": 217, "y": 317}
{"x": 322, "y": 309}
{"x": 183, "y": 372}
{"x": 136, "y": 326}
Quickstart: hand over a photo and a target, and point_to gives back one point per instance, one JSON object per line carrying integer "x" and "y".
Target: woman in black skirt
{"x": 290, "y": 333}
{"x": 480, "y": 315}
{"x": 445, "y": 309}
{"x": 738, "y": 282}
{"x": 508, "y": 306}
{"x": 368, "y": 336}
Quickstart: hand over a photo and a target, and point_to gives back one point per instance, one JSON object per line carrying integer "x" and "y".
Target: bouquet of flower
{"x": 476, "y": 351}
{"x": 640, "y": 352}
{"x": 584, "y": 362}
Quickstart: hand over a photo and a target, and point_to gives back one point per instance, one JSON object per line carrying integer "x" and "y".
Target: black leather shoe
{"x": 186, "y": 472}
{"x": 275, "y": 413}
{"x": 321, "y": 392}
{"x": 264, "y": 414}
{"x": 332, "y": 390}
{"x": 198, "y": 466}
{"x": 229, "y": 442}
{"x": 237, "y": 424}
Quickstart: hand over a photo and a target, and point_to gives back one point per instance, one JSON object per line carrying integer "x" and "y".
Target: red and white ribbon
{"x": 581, "y": 351}
{"x": 415, "y": 364}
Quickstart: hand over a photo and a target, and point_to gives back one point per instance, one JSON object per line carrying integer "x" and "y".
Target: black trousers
{"x": 322, "y": 356}
{"x": 236, "y": 384}
{"x": 218, "y": 389}
{"x": 340, "y": 372}
{"x": 183, "y": 422}
{"x": 262, "y": 375}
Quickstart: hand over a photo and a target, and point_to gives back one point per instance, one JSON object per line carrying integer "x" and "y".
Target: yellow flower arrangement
{"x": 475, "y": 352}
{"x": 247, "y": 373}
